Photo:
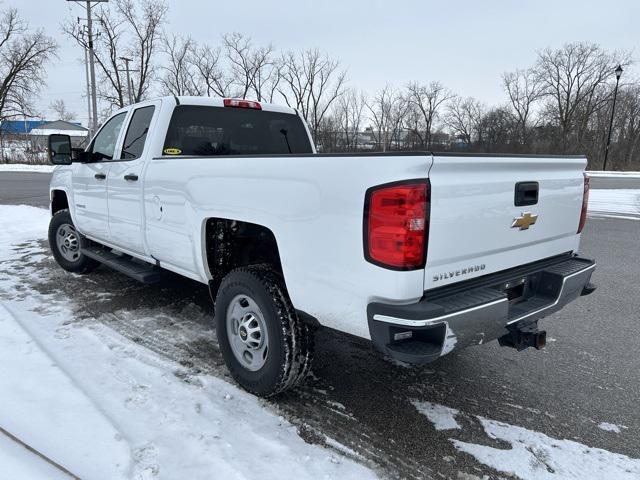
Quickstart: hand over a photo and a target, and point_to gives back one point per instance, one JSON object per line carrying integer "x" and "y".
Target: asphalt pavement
{"x": 25, "y": 188}
{"x": 588, "y": 373}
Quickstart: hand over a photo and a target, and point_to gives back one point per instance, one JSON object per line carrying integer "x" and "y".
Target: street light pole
{"x": 613, "y": 109}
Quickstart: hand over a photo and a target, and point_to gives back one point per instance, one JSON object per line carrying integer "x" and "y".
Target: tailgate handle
{"x": 526, "y": 194}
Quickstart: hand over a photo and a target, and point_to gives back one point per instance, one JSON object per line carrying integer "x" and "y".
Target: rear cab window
{"x": 205, "y": 130}
{"x": 136, "y": 136}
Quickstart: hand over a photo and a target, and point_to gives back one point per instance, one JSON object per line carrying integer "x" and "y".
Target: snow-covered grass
{"x": 533, "y": 455}
{"x": 104, "y": 407}
{"x": 25, "y": 167}
{"x": 623, "y": 203}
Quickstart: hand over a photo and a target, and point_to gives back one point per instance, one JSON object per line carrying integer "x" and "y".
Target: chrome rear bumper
{"x": 477, "y": 311}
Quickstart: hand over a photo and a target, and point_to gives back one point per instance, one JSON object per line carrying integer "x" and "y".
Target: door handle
{"x": 99, "y": 176}
{"x": 526, "y": 194}
{"x": 131, "y": 177}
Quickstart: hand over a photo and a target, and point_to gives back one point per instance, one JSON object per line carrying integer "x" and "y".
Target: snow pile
{"x": 25, "y": 167}
{"x": 535, "y": 456}
{"x": 623, "y": 203}
{"x": 93, "y": 401}
{"x": 443, "y": 418}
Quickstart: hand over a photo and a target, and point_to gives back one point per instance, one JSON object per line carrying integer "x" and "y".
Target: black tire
{"x": 81, "y": 263}
{"x": 290, "y": 340}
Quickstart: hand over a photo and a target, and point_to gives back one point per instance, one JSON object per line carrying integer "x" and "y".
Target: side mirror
{"x": 79, "y": 155}
{"x": 60, "y": 149}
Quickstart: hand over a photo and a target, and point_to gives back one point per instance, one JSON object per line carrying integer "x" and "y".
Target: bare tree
{"x": 254, "y": 70}
{"x": 523, "y": 88}
{"x": 127, "y": 29}
{"x": 61, "y": 110}
{"x": 497, "y": 127}
{"x": 574, "y": 78}
{"x": 311, "y": 82}
{"x": 384, "y": 109}
{"x": 206, "y": 61}
{"x": 349, "y": 116}
{"x": 464, "y": 117}
{"x": 180, "y": 76}
{"x": 22, "y": 58}
{"x": 145, "y": 23}
{"x": 425, "y": 102}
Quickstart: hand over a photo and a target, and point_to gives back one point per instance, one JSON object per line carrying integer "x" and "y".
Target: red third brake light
{"x": 241, "y": 103}
{"x": 396, "y": 225}
{"x": 585, "y": 204}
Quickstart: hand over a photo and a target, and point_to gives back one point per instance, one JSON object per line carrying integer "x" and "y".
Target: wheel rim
{"x": 247, "y": 332}
{"x": 68, "y": 242}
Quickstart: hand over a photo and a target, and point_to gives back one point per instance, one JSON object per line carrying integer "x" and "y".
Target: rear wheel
{"x": 266, "y": 347}
{"x": 66, "y": 244}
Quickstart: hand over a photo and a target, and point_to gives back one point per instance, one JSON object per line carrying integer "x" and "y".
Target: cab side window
{"x": 104, "y": 145}
{"x": 137, "y": 133}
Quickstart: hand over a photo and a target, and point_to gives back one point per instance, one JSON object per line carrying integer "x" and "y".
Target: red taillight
{"x": 585, "y": 204}
{"x": 396, "y": 225}
{"x": 241, "y": 103}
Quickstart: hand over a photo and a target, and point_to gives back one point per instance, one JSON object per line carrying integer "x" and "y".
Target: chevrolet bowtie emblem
{"x": 524, "y": 221}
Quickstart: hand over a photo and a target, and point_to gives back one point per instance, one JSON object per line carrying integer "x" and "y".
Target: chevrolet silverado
{"x": 420, "y": 252}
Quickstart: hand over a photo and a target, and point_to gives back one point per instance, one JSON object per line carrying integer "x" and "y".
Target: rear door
{"x": 125, "y": 180}
{"x": 491, "y": 213}
{"x": 90, "y": 181}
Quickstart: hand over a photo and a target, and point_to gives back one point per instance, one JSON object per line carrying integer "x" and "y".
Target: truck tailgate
{"x": 473, "y": 208}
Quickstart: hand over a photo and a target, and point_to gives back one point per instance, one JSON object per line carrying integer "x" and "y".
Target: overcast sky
{"x": 464, "y": 44}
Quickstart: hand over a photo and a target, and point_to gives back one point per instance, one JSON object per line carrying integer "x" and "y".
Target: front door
{"x": 126, "y": 182}
{"x": 90, "y": 181}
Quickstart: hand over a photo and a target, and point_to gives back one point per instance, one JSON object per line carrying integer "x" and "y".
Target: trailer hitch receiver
{"x": 524, "y": 337}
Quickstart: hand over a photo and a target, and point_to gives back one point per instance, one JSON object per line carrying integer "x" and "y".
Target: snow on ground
{"x": 611, "y": 427}
{"x": 621, "y": 203}
{"x": 533, "y": 455}
{"x": 105, "y": 407}
{"x": 609, "y": 174}
{"x": 25, "y": 167}
{"x": 19, "y": 463}
{"x": 43, "y": 393}
{"x": 443, "y": 418}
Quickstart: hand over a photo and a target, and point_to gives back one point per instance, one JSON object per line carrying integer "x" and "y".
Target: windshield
{"x": 202, "y": 130}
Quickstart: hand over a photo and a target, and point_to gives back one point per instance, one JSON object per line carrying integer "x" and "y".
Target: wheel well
{"x": 232, "y": 243}
{"x": 59, "y": 201}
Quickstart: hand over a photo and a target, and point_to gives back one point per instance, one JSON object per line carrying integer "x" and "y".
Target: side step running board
{"x": 136, "y": 269}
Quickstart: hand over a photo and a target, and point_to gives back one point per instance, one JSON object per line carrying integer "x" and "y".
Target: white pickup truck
{"x": 420, "y": 252}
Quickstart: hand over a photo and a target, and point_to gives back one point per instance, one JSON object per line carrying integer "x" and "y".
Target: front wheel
{"x": 66, "y": 244}
{"x": 266, "y": 347}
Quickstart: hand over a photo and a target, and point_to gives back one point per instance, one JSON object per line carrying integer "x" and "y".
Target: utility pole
{"x": 92, "y": 70}
{"x": 86, "y": 72}
{"x": 126, "y": 66}
{"x": 92, "y": 66}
